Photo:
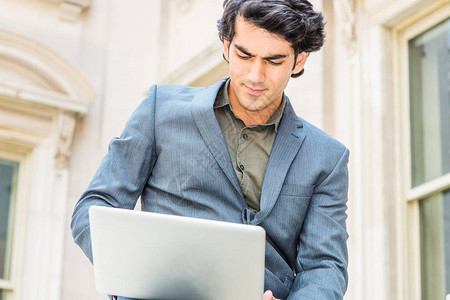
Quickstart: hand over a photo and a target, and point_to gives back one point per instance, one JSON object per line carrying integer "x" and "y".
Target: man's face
{"x": 260, "y": 64}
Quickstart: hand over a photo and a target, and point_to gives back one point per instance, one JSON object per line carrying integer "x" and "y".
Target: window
{"x": 8, "y": 186}
{"x": 41, "y": 98}
{"x": 429, "y": 60}
{"x": 429, "y": 90}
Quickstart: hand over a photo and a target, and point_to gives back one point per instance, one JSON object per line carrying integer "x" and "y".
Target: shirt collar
{"x": 223, "y": 100}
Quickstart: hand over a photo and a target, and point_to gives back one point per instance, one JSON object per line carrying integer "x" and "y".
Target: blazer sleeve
{"x": 322, "y": 257}
{"x": 123, "y": 171}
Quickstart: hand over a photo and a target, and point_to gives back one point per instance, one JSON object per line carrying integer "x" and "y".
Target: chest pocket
{"x": 291, "y": 207}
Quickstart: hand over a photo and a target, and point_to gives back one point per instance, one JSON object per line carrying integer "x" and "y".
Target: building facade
{"x": 72, "y": 72}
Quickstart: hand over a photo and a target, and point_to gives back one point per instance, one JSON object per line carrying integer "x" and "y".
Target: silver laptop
{"x": 154, "y": 256}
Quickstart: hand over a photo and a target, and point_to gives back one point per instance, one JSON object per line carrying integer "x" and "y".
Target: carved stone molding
{"x": 35, "y": 97}
{"x": 183, "y": 6}
{"x": 392, "y": 12}
{"x": 70, "y": 10}
{"x": 66, "y": 126}
{"x": 196, "y": 67}
{"x": 47, "y": 64}
{"x": 58, "y": 103}
{"x": 346, "y": 10}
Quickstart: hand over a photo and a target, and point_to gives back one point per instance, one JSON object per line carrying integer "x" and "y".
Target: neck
{"x": 254, "y": 117}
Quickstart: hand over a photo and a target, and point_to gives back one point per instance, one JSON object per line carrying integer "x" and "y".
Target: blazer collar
{"x": 288, "y": 141}
{"x": 203, "y": 113}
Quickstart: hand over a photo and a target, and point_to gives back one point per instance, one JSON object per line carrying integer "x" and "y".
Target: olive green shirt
{"x": 249, "y": 146}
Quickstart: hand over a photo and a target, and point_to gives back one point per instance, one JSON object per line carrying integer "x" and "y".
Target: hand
{"x": 269, "y": 296}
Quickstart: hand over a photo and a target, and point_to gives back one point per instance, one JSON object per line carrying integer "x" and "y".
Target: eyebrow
{"x": 272, "y": 57}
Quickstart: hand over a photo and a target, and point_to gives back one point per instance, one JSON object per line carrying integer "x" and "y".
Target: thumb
{"x": 268, "y": 295}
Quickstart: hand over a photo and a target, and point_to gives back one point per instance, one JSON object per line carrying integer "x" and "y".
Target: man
{"x": 236, "y": 152}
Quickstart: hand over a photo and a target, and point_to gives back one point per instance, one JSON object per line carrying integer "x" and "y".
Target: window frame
{"x": 409, "y": 222}
{"x": 13, "y": 286}
{"x": 443, "y": 182}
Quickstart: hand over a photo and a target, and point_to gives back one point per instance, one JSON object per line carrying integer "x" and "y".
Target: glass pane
{"x": 435, "y": 245}
{"x": 429, "y": 64}
{"x": 8, "y": 174}
{"x": 5, "y": 294}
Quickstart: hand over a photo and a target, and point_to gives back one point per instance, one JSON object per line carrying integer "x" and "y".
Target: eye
{"x": 242, "y": 56}
{"x": 274, "y": 63}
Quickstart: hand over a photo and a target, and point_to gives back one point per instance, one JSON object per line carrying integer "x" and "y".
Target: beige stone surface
{"x": 72, "y": 72}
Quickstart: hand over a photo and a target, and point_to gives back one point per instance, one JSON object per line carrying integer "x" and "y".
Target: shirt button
{"x": 245, "y": 136}
{"x": 241, "y": 167}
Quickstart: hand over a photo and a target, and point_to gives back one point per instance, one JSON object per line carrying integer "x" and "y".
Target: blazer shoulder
{"x": 166, "y": 92}
{"x": 322, "y": 140}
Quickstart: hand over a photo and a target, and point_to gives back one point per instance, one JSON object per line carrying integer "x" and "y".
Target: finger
{"x": 268, "y": 295}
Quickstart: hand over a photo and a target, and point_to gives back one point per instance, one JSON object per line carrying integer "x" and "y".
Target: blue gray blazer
{"x": 173, "y": 155}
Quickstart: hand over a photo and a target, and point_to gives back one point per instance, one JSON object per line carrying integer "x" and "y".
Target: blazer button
{"x": 242, "y": 167}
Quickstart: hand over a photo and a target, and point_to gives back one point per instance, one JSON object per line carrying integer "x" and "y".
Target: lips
{"x": 254, "y": 92}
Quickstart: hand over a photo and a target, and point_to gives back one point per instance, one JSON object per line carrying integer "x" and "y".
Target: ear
{"x": 300, "y": 63}
{"x": 226, "y": 49}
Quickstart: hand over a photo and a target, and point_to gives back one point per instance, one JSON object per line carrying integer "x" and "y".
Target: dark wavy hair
{"x": 294, "y": 20}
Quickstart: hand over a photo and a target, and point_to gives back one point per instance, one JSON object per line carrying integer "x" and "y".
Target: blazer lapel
{"x": 287, "y": 143}
{"x": 203, "y": 113}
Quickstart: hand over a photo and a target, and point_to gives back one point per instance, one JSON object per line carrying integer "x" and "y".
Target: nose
{"x": 256, "y": 72}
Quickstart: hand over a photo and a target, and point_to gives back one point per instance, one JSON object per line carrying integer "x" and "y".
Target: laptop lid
{"x": 155, "y": 256}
